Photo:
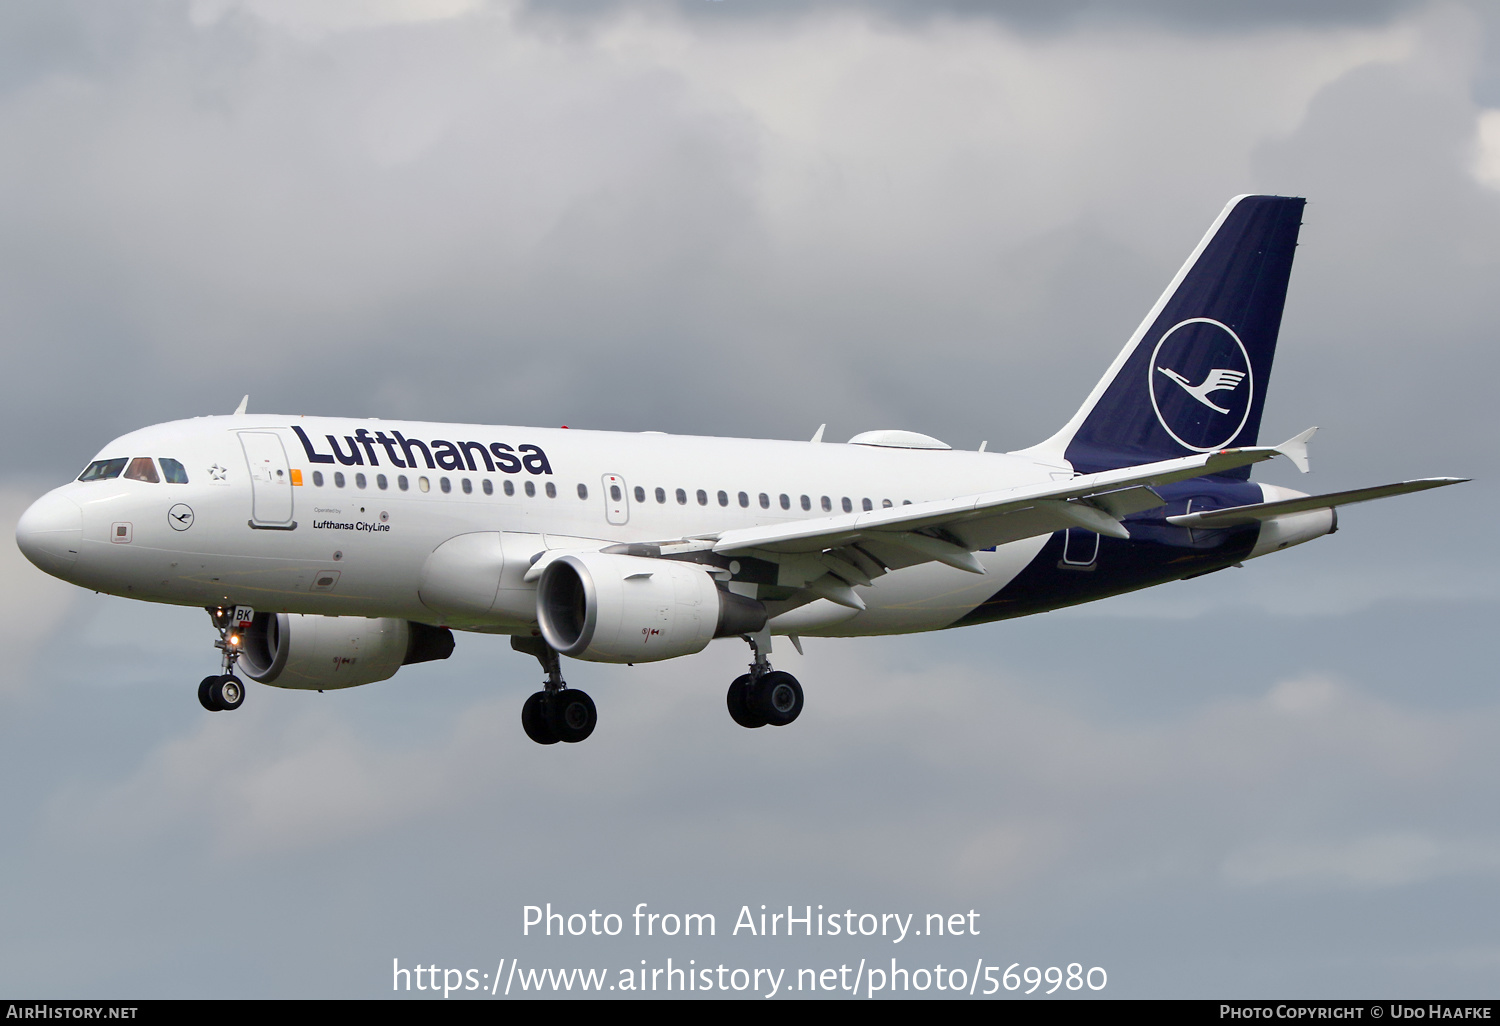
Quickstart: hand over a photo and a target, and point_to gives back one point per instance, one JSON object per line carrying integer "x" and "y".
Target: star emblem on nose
{"x": 218, "y": 473}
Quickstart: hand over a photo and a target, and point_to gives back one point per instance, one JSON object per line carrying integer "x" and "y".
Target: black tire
{"x": 738, "y": 701}
{"x": 778, "y": 697}
{"x": 205, "y": 699}
{"x": 227, "y": 693}
{"x": 534, "y": 720}
{"x": 571, "y": 715}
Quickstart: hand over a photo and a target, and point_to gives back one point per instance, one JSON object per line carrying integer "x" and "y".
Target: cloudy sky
{"x": 748, "y": 218}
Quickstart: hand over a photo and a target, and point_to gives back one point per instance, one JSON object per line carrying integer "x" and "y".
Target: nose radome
{"x": 50, "y": 533}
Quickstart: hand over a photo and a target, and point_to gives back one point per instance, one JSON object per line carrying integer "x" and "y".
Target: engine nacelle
{"x": 1277, "y": 533}
{"x": 293, "y": 650}
{"x": 610, "y": 608}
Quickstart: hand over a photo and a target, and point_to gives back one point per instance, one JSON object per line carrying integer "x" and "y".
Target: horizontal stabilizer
{"x": 1267, "y": 510}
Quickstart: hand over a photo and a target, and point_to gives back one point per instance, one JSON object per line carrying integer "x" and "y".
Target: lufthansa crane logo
{"x": 180, "y": 517}
{"x": 1201, "y": 383}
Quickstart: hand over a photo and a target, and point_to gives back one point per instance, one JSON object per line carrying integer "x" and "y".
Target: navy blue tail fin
{"x": 1193, "y": 376}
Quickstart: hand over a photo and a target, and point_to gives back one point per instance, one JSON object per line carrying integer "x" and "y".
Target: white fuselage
{"x": 360, "y": 547}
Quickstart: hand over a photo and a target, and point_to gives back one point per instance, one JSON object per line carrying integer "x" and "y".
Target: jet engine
{"x": 293, "y": 650}
{"x": 609, "y": 608}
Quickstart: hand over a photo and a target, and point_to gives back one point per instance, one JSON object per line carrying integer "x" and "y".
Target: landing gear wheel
{"x": 226, "y": 693}
{"x": 534, "y": 720}
{"x": 778, "y": 697}
{"x": 571, "y": 715}
{"x": 205, "y": 698}
{"x": 738, "y": 701}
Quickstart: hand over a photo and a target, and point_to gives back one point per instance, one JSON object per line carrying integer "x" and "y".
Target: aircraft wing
{"x": 857, "y": 547}
{"x": 1266, "y": 510}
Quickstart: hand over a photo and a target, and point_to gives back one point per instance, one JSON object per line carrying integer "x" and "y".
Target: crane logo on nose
{"x": 180, "y": 517}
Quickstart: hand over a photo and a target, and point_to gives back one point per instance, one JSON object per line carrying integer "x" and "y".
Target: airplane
{"x": 330, "y": 552}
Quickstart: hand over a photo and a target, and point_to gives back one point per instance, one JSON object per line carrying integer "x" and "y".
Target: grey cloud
{"x": 1072, "y": 806}
{"x": 1205, "y": 782}
{"x": 1033, "y": 16}
{"x": 450, "y": 215}
{"x": 39, "y": 39}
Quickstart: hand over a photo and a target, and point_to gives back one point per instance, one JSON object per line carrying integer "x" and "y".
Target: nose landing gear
{"x": 557, "y": 712}
{"x": 763, "y": 696}
{"x": 225, "y": 692}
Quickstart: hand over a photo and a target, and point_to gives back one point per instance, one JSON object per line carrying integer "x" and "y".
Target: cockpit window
{"x": 172, "y": 471}
{"x": 102, "y": 470}
{"x": 142, "y": 469}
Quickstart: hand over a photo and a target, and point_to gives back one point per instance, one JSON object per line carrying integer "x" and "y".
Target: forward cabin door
{"x": 270, "y": 480}
{"x": 616, "y": 499}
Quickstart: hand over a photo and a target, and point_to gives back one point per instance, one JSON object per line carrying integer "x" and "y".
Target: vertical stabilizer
{"x": 1193, "y": 377}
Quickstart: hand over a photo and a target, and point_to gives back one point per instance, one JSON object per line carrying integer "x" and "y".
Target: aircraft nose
{"x": 50, "y": 533}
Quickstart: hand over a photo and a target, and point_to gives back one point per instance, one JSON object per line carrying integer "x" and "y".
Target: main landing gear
{"x": 224, "y": 692}
{"x": 764, "y": 696}
{"x": 557, "y": 712}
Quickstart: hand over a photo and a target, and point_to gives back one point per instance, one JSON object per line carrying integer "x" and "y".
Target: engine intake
{"x": 610, "y": 608}
{"x": 294, "y": 650}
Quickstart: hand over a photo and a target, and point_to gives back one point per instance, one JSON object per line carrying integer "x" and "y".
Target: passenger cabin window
{"x": 359, "y": 481}
{"x": 468, "y": 486}
{"x": 583, "y": 491}
{"x": 338, "y": 479}
{"x": 142, "y": 469}
{"x": 702, "y": 497}
{"x": 172, "y": 471}
{"x": 640, "y": 494}
{"x": 510, "y": 487}
{"x": 102, "y": 470}
{"x": 318, "y": 478}
{"x": 489, "y": 487}
{"x": 551, "y": 490}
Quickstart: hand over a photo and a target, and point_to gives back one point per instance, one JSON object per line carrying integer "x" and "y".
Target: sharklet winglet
{"x": 1295, "y": 449}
